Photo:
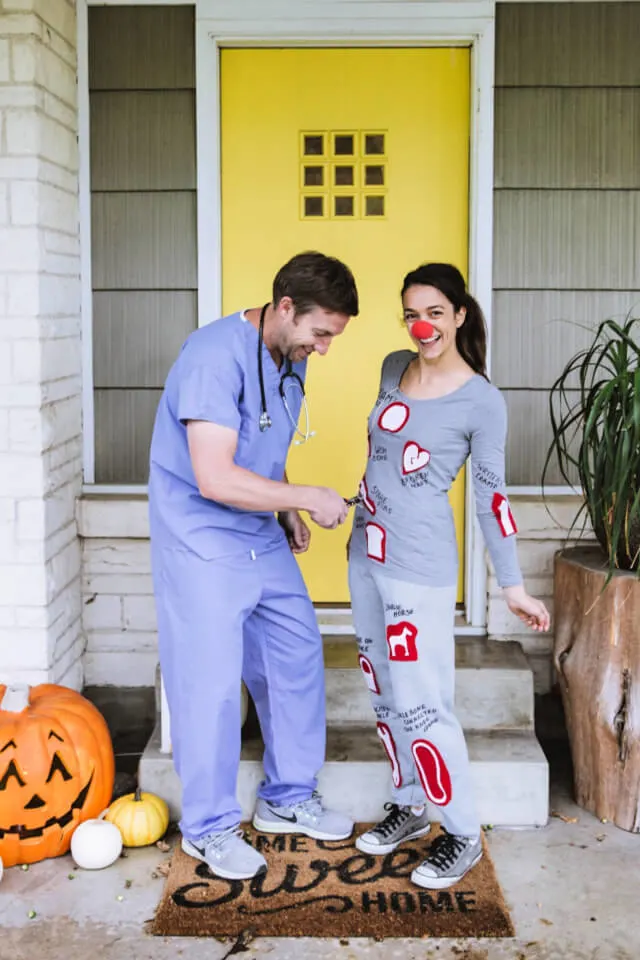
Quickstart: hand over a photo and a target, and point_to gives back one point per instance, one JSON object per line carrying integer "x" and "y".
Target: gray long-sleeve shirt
{"x": 416, "y": 449}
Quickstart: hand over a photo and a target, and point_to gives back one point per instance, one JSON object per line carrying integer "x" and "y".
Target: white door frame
{"x": 349, "y": 23}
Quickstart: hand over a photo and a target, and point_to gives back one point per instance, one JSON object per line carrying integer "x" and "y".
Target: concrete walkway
{"x": 572, "y": 888}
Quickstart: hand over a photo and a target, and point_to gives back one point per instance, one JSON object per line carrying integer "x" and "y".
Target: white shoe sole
{"x": 191, "y": 851}
{"x": 381, "y": 849}
{"x": 270, "y": 826}
{"x": 441, "y": 883}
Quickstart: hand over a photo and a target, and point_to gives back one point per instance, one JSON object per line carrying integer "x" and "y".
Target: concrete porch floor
{"x": 572, "y": 889}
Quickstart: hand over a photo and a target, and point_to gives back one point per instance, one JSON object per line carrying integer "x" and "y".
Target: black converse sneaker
{"x": 400, "y": 825}
{"x": 448, "y": 860}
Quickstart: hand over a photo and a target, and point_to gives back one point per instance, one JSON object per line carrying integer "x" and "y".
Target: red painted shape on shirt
{"x": 414, "y": 458}
{"x": 394, "y": 417}
{"x": 366, "y": 499}
{"x": 502, "y": 511}
{"x": 376, "y": 542}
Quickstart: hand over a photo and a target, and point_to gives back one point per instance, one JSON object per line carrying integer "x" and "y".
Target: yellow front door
{"x": 362, "y": 154}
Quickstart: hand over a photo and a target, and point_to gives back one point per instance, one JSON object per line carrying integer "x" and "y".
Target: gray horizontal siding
{"x": 144, "y": 241}
{"x": 536, "y": 332}
{"x": 567, "y": 200}
{"x": 137, "y": 335}
{"x": 141, "y": 48}
{"x": 123, "y": 427}
{"x": 568, "y": 138}
{"x": 567, "y": 44}
{"x": 529, "y": 438}
{"x": 567, "y": 239}
{"x": 143, "y": 180}
{"x": 143, "y": 140}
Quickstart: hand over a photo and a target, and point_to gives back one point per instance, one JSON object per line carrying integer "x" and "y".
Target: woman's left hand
{"x": 531, "y": 611}
{"x": 298, "y": 533}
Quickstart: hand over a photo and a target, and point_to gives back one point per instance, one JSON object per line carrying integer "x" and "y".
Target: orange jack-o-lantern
{"x": 56, "y": 770}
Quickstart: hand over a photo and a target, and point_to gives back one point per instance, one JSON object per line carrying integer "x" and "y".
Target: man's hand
{"x": 327, "y": 508}
{"x": 298, "y": 533}
{"x": 531, "y": 611}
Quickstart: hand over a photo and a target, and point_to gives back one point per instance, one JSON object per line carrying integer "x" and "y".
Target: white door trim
{"x": 243, "y": 23}
{"x": 84, "y": 231}
{"x": 480, "y": 283}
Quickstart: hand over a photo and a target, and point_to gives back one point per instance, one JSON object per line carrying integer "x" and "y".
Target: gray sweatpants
{"x": 407, "y": 655}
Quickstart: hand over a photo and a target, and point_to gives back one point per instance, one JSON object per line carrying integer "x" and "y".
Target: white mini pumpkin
{"x": 96, "y": 844}
{"x": 1, "y": 868}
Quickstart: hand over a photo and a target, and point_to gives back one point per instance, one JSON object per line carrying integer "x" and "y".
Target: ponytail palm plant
{"x": 595, "y": 419}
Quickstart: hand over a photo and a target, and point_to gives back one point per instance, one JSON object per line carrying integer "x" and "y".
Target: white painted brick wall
{"x": 5, "y": 61}
{"x": 118, "y": 606}
{"x": 40, "y": 374}
{"x": 119, "y": 612}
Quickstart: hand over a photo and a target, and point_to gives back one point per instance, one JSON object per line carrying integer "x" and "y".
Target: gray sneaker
{"x": 448, "y": 860}
{"x": 309, "y": 817}
{"x": 227, "y": 854}
{"x": 398, "y": 826}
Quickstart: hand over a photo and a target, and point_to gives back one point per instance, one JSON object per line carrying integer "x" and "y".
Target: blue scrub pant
{"x": 218, "y": 621}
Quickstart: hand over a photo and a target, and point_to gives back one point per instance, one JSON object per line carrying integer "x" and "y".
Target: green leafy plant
{"x": 596, "y": 437}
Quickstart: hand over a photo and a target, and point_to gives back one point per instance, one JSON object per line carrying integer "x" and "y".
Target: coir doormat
{"x": 319, "y": 889}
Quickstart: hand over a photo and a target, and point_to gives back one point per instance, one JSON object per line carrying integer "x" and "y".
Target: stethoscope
{"x": 265, "y": 421}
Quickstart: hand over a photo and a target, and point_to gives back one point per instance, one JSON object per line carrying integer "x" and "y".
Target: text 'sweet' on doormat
{"x": 329, "y": 889}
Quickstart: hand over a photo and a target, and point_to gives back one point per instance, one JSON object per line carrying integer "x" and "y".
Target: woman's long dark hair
{"x": 471, "y": 337}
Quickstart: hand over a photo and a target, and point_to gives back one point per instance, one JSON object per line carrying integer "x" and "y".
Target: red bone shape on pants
{"x": 389, "y": 745}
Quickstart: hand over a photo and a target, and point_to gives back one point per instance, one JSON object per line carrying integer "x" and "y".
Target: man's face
{"x": 307, "y": 333}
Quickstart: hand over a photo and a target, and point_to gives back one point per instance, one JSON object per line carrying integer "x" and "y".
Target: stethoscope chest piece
{"x": 264, "y": 422}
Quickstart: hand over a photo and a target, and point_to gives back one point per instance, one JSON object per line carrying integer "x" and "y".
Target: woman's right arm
{"x": 488, "y": 441}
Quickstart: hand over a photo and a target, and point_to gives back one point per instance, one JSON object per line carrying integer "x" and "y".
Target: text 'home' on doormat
{"x": 314, "y": 888}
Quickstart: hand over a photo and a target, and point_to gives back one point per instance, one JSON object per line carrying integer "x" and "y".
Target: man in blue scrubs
{"x": 230, "y": 599}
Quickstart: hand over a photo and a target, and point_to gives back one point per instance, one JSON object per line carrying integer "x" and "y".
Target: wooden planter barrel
{"x": 597, "y": 658}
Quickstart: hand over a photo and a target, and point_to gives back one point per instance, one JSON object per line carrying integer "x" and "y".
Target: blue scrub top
{"x": 215, "y": 378}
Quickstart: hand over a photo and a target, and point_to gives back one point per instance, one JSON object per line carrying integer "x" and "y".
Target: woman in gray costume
{"x": 434, "y": 409}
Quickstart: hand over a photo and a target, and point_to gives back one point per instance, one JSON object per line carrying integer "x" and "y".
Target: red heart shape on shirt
{"x": 414, "y": 458}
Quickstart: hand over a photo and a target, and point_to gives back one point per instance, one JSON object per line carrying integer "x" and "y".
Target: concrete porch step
{"x": 494, "y": 685}
{"x": 509, "y": 769}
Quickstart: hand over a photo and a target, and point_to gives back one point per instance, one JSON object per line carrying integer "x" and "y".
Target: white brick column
{"x": 40, "y": 371}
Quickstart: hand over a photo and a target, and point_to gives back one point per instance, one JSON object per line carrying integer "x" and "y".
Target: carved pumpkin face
{"x": 56, "y": 770}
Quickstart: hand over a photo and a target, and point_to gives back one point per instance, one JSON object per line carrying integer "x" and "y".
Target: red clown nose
{"x": 422, "y": 330}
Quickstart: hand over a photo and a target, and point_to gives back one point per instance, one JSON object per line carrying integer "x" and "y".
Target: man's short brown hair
{"x": 313, "y": 280}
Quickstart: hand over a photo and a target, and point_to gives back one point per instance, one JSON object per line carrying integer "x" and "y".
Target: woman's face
{"x": 430, "y": 305}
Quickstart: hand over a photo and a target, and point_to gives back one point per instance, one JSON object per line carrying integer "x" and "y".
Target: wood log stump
{"x": 597, "y": 658}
